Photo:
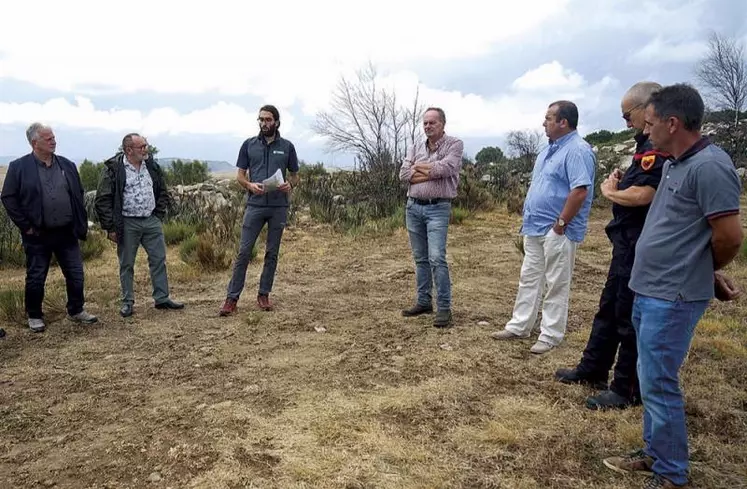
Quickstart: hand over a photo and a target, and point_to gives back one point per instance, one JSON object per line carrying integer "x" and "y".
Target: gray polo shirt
{"x": 673, "y": 257}
{"x": 57, "y": 208}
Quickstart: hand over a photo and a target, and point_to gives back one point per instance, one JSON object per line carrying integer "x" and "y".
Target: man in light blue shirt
{"x": 556, "y": 214}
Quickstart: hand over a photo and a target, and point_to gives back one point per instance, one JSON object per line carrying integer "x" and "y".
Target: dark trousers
{"x": 612, "y": 332}
{"x": 255, "y": 219}
{"x": 39, "y": 250}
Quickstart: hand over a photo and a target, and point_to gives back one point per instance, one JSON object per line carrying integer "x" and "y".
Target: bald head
{"x": 634, "y": 102}
{"x": 641, "y": 92}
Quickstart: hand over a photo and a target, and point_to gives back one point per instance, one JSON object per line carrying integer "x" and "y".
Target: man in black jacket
{"x": 131, "y": 201}
{"x": 43, "y": 196}
{"x": 260, "y": 157}
{"x": 612, "y": 333}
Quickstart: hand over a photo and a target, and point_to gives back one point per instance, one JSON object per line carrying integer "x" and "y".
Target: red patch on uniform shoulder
{"x": 647, "y": 162}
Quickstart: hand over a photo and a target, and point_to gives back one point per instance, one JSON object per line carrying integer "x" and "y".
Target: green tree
{"x": 187, "y": 173}
{"x": 489, "y": 154}
{"x": 487, "y": 157}
{"x": 90, "y": 173}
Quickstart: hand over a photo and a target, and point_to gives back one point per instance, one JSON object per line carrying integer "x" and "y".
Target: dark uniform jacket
{"x": 627, "y": 222}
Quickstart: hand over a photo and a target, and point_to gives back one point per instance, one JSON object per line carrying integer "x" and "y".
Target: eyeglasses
{"x": 626, "y": 115}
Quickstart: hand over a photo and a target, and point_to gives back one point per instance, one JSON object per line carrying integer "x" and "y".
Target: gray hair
{"x": 641, "y": 92}
{"x": 439, "y": 111}
{"x": 32, "y": 133}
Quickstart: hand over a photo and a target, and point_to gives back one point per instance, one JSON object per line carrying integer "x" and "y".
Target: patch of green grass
{"x": 93, "y": 246}
{"x": 458, "y": 215}
{"x": 175, "y": 232}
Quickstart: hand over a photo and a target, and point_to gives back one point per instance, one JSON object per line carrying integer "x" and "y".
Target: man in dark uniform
{"x": 631, "y": 194}
{"x": 261, "y": 157}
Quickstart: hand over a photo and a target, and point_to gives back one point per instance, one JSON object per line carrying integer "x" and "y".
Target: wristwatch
{"x": 561, "y": 222}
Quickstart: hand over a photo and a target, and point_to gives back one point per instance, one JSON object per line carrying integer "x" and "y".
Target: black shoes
{"x": 126, "y": 310}
{"x": 169, "y": 304}
{"x": 442, "y": 319}
{"x": 573, "y": 376}
{"x": 610, "y": 400}
{"x": 417, "y": 310}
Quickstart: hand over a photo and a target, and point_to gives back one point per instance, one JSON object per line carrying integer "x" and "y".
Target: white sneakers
{"x": 538, "y": 348}
{"x": 83, "y": 317}
{"x": 36, "y": 325}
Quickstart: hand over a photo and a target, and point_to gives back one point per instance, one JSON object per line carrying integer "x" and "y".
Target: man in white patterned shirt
{"x": 131, "y": 202}
{"x": 431, "y": 170}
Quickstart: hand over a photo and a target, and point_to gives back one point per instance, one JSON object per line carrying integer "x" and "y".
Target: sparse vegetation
{"x": 94, "y": 245}
{"x": 335, "y": 370}
{"x": 11, "y": 247}
{"x": 174, "y": 232}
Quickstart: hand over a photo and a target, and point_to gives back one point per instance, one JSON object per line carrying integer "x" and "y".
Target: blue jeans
{"x": 427, "y": 226}
{"x": 664, "y": 330}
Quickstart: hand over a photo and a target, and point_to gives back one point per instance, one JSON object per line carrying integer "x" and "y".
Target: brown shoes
{"x": 636, "y": 461}
{"x": 229, "y": 307}
{"x": 263, "y": 301}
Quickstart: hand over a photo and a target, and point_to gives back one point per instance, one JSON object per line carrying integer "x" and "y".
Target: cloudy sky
{"x": 191, "y": 78}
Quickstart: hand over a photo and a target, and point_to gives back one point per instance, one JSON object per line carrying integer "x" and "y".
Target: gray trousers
{"x": 147, "y": 231}
{"x": 254, "y": 220}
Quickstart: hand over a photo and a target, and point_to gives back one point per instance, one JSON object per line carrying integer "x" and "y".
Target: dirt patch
{"x": 334, "y": 389}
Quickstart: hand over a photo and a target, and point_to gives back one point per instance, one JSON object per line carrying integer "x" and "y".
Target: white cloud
{"x": 548, "y": 76}
{"x": 663, "y": 51}
{"x": 284, "y": 52}
{"x": 468, "y": 114}
{"x": 522, "y": 107}
{"x": 221, "y": 118}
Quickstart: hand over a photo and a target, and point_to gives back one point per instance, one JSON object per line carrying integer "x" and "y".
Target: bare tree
{"x": 368, "y": 121}
{"x": 525, "y": 146}
{"x": 723, "y": 73}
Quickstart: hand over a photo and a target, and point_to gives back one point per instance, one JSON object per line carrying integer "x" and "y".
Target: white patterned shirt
{"x": 138, "y": 199}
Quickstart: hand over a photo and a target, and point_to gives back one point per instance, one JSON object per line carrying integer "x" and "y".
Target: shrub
{"x": 174, "y": 232}
{"x": 306, "y": 171}
{"x": 207, "y": 252}
{"x": 515, "y": 202}
{"x": 458, "y": 215}
{"x": 187, "y": 250}
{"x": 210, "y": 254}
{"x": 11, "y": 247}
{"x": 94, "y": 245}
{"x": 13, "y": 310}
{"x": 473, "y": 194}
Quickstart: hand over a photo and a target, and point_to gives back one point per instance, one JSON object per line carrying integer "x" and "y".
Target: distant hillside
{"x": 213, "y": 165}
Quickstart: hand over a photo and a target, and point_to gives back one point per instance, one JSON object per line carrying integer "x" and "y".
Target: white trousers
{"x": 547, "y": 268}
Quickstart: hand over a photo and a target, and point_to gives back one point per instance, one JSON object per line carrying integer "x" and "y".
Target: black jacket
{"x": 22, "y": 195}
{"x": 110, "y": 193}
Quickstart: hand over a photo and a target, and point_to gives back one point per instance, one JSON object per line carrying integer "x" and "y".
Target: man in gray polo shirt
{"x": 692, "y": 230}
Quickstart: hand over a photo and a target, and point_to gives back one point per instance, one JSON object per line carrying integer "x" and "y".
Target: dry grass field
{"x": 334, "y": 389}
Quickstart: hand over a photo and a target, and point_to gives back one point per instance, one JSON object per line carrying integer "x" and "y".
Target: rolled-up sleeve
{"x": 450, "y": 164}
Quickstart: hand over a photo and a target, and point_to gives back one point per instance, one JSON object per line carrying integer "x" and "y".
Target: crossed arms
{"x": 413, "y": 171}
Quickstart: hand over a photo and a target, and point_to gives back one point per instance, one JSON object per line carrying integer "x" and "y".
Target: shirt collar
{"x": 562, "y": 140}
{"x": 696, "y": 148}
{"x": 41, "y": 163}
{"x": 437, "y": 144}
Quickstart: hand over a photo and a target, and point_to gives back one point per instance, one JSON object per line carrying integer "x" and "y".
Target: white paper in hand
{"x": 274, "y": 181}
